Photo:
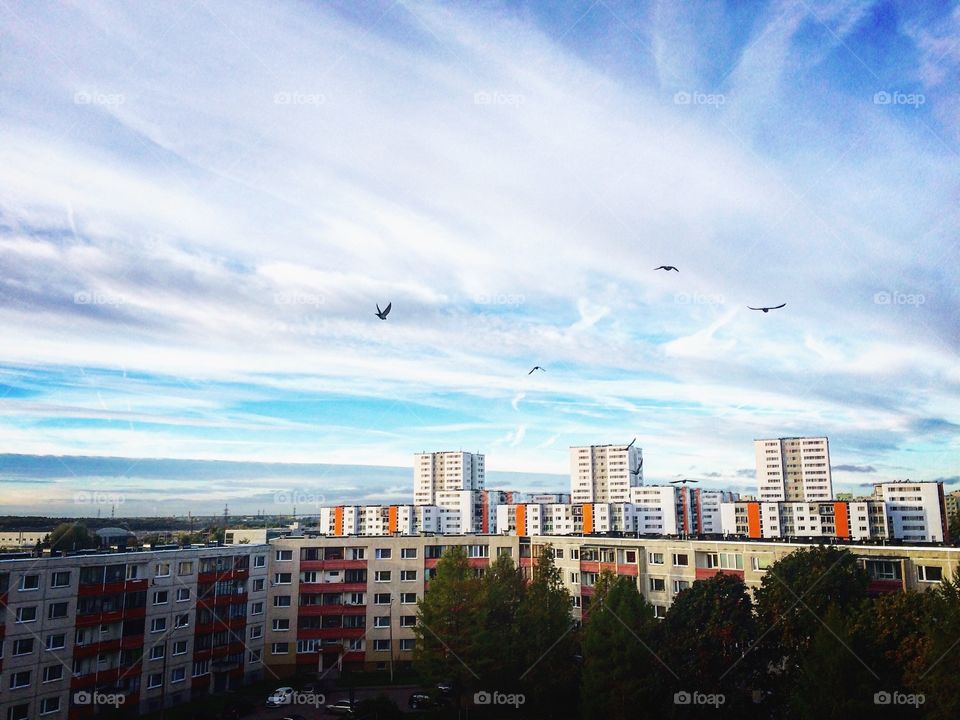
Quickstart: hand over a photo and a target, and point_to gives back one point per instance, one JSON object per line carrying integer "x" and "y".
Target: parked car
{"x": 420, "y": 700}
{"x": 280, "y": 696}
{"x": 445, "y": 688}
{"x": 341, "y": 707}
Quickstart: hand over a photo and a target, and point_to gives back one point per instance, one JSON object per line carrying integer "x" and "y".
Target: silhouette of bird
{"x": 667, "y": 268}
{"x": 631, "y": 443}
{"x": 536, "y": 367}
{"x": 768, "y": 309}
{"x": 382, "y": 314}
{"x": 684, "y": 481}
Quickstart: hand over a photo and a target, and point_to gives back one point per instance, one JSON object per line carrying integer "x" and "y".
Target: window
{"x": 256, "y": 608}
{"x": 656, "y": 558}
{"x": 60, "y": 579}
{"x": 178, "y": 675}
{"x": 408, "y": 575}
{"x": 575, "y": 554}
{"x": 180, "y": 647}
{"x": 679, "y": 585}
{"x": 154, "y": 680}
{"x": 558, "y": 553}
{"x": 408, "y": 553}
{"x": 52, "y": 673}
{"x": 631, "y": 556}
{"x": 183, "y": 594}
{"x": 929, "y": 573}
{"x": 356, "y": 599}
{"x": 681, "y": 559}
{"x": 657, "y": 584}
{"x": 760, "y": 562}
{"x": 381, "y": 645}
{"x": 381, "y": 621}
{"x": 29, "y": 582}
{"x": 163, "y": 570}
{"x": 281, "y": 624}
{"x": 160, "y": 597}
{"x": 157, "y": 652}
{"x": 408, "y": 598}
{"x": 19, "y": 679}
{"x": 56, "y": 642}
{"x": 284, "y": 555}
{"x": 57, "y": 610}
{"x": 182, "y": 620}
{"x": 408, "y": 620}
{"x": 255, "y": 656}
{"x": 158, "y": 625}
{"x": 49, "y": 705}
{"x": 660, "y": 611}
{"x": 27, "y": 614}
{"x": 257, "y": 584}
{"x": 280, "y": 648}
{"x": 19, "y": 712}
{"x": 256, "y": 631}
{"x": 259, "y": 561}
{"x": 382, "y": 576}
{"x": 282, "y": 578}
{"x": 383, "y": 553}
{"x": 407, "y": 644}
{"x": 381, "y": 599}
{"x": 185, "y": 567}
{"x": 24, "y": 646}
{"x": 281, "y": 601}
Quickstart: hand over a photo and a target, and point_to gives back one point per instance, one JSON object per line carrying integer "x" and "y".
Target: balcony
{"x": 112, "y": 675}
{"x": 89, "y": 649}
{"x": 333, "y": 587}
{"x": 589, "y": 566}
{"x": 340, "y": 564}
{"x": 338, "y": 609}
{"x": 703, "y": 573}
{"x": 237, "y": 623}
{"x": 221, "y": 575}
{"x": 112, "y": 588}
{"x": 221, "y": 600}
{"x": 335, "y": 633}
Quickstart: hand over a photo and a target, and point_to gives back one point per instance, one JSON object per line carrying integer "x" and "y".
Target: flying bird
{"x": 684, "y": 481}
{"x": 667, "y": 268}
{"x": 382, "y": 314}
{"x": 631, "y": 443}
{"x": 536, "y": 367}
{"x": 768, "y": 309}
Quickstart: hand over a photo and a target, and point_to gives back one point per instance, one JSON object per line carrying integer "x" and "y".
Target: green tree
{"x": 449, "y": 619}
{"x": 620, "y": 669}
{"x": 69, "y": 537}
{"x": 497, "y": 656}
{"x": 936, "y": 674}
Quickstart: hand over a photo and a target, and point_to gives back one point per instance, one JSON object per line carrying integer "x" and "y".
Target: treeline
{"x": 807, "y": 644}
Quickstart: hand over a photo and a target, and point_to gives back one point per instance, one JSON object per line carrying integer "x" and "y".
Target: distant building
{"x": 915, "y": 510}
{"x": 793, "y": 469}
{"x": 604, "y": 473}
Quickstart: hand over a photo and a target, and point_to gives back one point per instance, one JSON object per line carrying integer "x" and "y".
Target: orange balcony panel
{"x": 631, "y": 570}
{"x": 311, "y": 565}
{"x": 342, "y": 565}
{"x": 707, "y": 573}
{"x": 430, "y": 562}
{"x": 589, "y": 566}
{"x": 478, "y": 562}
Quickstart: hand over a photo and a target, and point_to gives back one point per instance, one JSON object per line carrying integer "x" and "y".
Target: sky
{"x": 202, "y": 204}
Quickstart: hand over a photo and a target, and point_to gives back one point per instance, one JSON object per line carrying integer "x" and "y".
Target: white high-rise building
{"x": 604, "y": 473}
{"x": 915, "y": 510}
{"x": 445, "y": 472}
{"x": 793, "y": 469}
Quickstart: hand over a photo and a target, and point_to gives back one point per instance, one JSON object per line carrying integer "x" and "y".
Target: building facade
{"x": 604, "y": 473}
{"x": 793, "y": 469}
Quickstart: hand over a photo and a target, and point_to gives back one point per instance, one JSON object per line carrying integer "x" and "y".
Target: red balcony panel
{"x": 333, "y": 587}
{"x": 97, "y": 618}
{"x": 221, "y": 575}
{"x": 311, "y": 565}
{"x": 311, "y": 659}
{"x": 205, "y": 654}
{"x": 430, "y": 562}
{"x": 330, "y": 633}
{"x": 631, "y": 570}
{"x": 3, "y": 630}
{"x": 353, "y": 656}
{"x": 526, "y": 562}
{"x": 332, "y": 610}
{"x": 134, "y": 585}
{"x": 3, "y": 598}
{"x": 231, "y": 649}
{"x": 589, "y": 566}
{"x": 883, "y": 587}
{"x": 221, "y": 600}
{"x": 478, "y": 562}
{"x": 104, "y": 676}
{"x": 113, "y": 588}
{"x": 342, "y": 565}
{"x": 131, "y": 642}
{"x": 97, "y": 647}
{"x": 586, "y": 591}
{"x": 199, "y": 683}
{"x": 133, "y": 613}
{"x": 707, "y": 573}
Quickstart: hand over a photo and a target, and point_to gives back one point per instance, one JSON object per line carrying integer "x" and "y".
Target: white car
{"x": 281, "y": 696}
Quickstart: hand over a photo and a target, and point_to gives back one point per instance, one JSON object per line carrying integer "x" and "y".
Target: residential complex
{"x": 604, "y": 473}
{"x": 793, "y": 469}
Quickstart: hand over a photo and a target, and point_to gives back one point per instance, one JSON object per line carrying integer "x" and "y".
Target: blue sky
{"x": 201, "y": 203}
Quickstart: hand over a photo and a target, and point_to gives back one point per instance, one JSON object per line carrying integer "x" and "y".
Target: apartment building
{"x": 847, "y": 519}
{"x": 604, "y": 473}
{"x": 141, "y": 629}
{"x": 447, "y": 471}
{"x": 793, "y": 469}
{"x": 916, "y": 511}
